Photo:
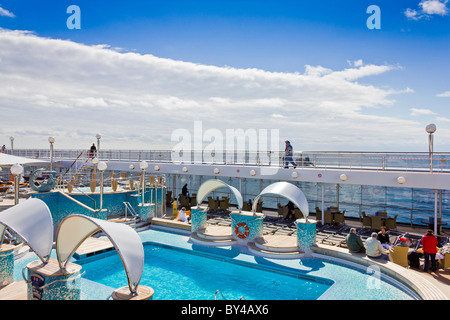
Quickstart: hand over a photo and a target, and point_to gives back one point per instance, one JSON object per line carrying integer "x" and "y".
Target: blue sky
{"x": 277, "y": 37}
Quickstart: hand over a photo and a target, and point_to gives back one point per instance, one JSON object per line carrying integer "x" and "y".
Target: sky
{"x": 314, "y": 72}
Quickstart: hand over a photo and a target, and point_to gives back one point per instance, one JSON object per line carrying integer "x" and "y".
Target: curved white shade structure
{"x": 74, "y": 229}
{"x": 288, "y": 191}
{"x": 32, "y": 221}
{"x": 210, "y": 185}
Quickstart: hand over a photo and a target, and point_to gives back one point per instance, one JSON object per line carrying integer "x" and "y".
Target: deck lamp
{"x": 102, "y": 166}
{"x": 431, "y": 128}
{"x": 143, "y": 165}
{"x": 16, "y": 170}
{"x": 98, "y": 136}
{"x": 51, "y": 140}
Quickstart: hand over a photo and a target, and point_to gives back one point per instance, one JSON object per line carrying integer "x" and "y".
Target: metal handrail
{"x": 327, "y": 159}
{"x": 218, "y": 291}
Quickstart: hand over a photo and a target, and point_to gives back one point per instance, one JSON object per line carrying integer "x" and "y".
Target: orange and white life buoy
{"x": 241, "y": 230}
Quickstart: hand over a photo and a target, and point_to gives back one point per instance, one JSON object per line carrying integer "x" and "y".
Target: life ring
{"x": 242, "y": 231}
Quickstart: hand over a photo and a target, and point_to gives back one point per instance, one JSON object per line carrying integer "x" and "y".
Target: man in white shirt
{"x": 374, "y": 249}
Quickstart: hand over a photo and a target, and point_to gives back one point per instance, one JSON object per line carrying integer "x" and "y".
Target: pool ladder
{"x": 218, "y": 291}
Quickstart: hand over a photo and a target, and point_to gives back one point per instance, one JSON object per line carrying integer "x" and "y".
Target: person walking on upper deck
{"x": 429, "y": 243}
{"x": 288, "y": 153}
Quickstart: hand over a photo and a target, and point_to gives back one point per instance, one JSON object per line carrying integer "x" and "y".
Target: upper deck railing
{"x": 381, "y": 161}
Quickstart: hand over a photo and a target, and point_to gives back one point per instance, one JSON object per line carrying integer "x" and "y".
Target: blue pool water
{"x": 178, "y": 275}
{"x": 177, "y": 269}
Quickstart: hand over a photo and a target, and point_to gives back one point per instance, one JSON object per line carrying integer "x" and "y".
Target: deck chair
{"x": 298, "y": 213}
{"x": 248, "y": 207}
{"x": 399, "y": 255}
{"x": 259, "y": 206}
{"x": 367, "y": 221}
{"x": 169, "y": 199}
{"x": 377, "y": 223}
{"x": 318, "y": 214}
{"x": 445, "y": 263}
{"x": 212, "y": 204}
{"x": 328, "y": 217}
{"x": 339, "y": 218}
{"x": 225, "y": 204}
{"x": 391, "y": 223}
{"x": 282, "y": 210}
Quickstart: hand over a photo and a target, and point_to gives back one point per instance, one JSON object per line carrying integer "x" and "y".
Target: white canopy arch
{"x": 288, "y": 191}
{"x": 9, "y": 160}
{"x": 31, "y": 221}
{"x": 74, "y": 229}
{"x": 210, "y": 185}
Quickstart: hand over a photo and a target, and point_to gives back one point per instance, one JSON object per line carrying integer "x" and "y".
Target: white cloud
{"x": 74, "y": 91}
{"x": 444, "y": 94}
{"x": 443, "y": 119}
{"x": 428, "y": 8}
{"x": 6, "y": 13}
{"x": 434, "y": 7}
{"x": 421, "y": 112}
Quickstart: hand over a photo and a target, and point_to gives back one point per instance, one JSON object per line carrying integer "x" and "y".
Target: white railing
{"x": 408, "y": 161}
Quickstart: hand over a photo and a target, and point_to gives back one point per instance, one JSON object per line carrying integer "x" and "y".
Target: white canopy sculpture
{"x": 74, "y": 229}
{"x": 31, "y": 221}
{"x": 288, "y": 191}
{"x": 9, "y": 160}
{"x": 210, "y": 185}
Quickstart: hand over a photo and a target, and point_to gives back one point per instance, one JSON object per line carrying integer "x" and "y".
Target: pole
{"x": 101, "y": 190}
{"x": 430, "y": 151}
{"x": 323, "y": 203}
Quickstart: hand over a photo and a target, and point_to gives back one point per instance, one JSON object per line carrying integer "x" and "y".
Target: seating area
{"x": 379, "y": 219}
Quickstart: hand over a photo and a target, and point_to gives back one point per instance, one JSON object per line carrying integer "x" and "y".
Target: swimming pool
{"x": 179, "y": 270}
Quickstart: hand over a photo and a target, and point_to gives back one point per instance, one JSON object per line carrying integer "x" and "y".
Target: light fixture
{"x": 401, "y": 180}
{"x": 431, "y": 128}
{"x": 216, "y": 170}
{"x": 131, "y": 167}
{"x": 343, "y": 177}
{"x": 294, "y": 175}
{"x": 252, "y": 172}
{"x": 157, "y": 168}
{"x": 16, "y": 169}
{"x": 185, "y": 169}
{"x": 102, "y": 166}
{"x": 143, "y": 165}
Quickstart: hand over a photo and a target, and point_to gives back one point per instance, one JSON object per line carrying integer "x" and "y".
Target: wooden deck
{"x": 14, "y": 291}
{"x": 92, "y": 246}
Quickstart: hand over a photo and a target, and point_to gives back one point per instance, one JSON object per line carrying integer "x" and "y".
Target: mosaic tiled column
{"x": 198, "y": 219}
{"x": 6, "y": 264}
{"x": 306, "y": 234}
{"x": 146, "y": 210}
{"x": 50, "y": 282}
{"x": 246, "y": 227}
